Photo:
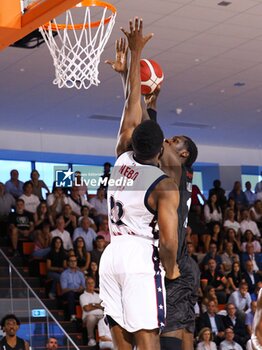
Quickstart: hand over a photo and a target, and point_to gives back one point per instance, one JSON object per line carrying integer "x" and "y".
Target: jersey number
{"x": 116, "y": 211}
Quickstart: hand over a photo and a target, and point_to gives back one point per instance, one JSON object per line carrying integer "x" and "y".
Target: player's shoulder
{"x": 167, "y": 183}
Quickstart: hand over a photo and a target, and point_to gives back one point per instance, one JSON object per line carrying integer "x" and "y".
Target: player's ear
{"x": 161, "y": 152}
{"x": 184, "y": 153}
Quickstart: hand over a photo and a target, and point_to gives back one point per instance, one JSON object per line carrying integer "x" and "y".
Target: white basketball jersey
{"x": 129, "y": 188}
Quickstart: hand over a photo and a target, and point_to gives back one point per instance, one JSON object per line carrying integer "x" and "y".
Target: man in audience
{"x": 213, "y": 321}
{"x": 250, "y": 317}
{"x": 52, "y": 343}
{"x": 97, "y": 252}
{"x": 216, "y": 279}
{"x": 250, "y": 195}
{"x": 241, "y": 298}
{"x": 219, "y": 192}
{"x": 256, "y": 258}
{"x": 99, "y": 203}
{"x": 237, "y": 323}
{"x": 229, "y": 343}
{"x": 7, "y": 202}
{"x": 258, "y": 189}
{"x": 72, "y": 282}
{"x": 10, "y": 325}
{"x": 228, "y": 258}
{"x": 251, "y": 277}
{"x": 20, "y": 224}
{"x": 56, "y": 201}
{"x": 14, "y": 186}
{"x": 248, "y": 224}
{"x": 92, "y": 309}
{"x": 212, "y": 254}
{"x": 230, "y": 221}
{"x": 31, "y": 201}
{"x": 62, "y": 233}
{"x": 76, "y": 201}
{"x": 87, "y": 233}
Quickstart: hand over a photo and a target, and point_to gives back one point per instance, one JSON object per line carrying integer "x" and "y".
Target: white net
{"x": 76, "y": 49}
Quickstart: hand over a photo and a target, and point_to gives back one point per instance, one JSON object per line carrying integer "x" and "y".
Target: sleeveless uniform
{"x": 182, "y": 293}
{"x": 20, "y": 344}
{"x": 131, "y": 276}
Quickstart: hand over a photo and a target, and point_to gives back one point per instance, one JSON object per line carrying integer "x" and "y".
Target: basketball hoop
{"x": 76, "y": 49}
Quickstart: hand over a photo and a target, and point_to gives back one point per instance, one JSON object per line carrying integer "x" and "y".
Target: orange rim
{"x": 79, "y": 26}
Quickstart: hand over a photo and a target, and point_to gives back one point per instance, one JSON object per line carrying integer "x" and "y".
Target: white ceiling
{"x": 203, "y": 48}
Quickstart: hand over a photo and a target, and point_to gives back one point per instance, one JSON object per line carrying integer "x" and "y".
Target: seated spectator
{"x": 238, "y": 195}
{"x": 217, "y": 236}
{"x": 70, "y": 219}
{"x": 205, "y": 340}
{"x": 55, "y": 264}
{"x": 14, "y": 186}
{"x": 72, "y": 284}
{"x": 56, "y": 201}
{"x": 83, "y": 257}
{"x": 229, "y": 343}
{"x": 231, "y": 205}
{"x": 250, "y": 238}
{"x": 80, "y": 183}
{"x": 42, "y": 240}
{"x": 250, "y": 317}
{"x": 237, "y": 323}
{"x": 20, "y": 224}
{"x": 38, "y": 185}
{"x": 251, "y": 278}
{"x": 241, "y": 298}
{"x": 228, "y": 258}
{"x": 256, "y": 258}
{"x": 42, "y": 216}
{"x": 191, "y": 251}
{"x": 85, "y": 213}
{"x": 211, "y": 277}
{"x": 52, "y": 343}
{"x": 97, "y": 252}
{"x": 219, "y": 192}
{"x": 99, "y": 203}
{"x": 256, "y": 213}
{"x": 212, "y": 254}
{"x": 62, "y": 233}
{"x": 248, "y": 224}
{"x": 93, "y": 272}
{"x": 76, "y": 201}
{"x": 31, "y": 201}
{"x": 199, "y": 230}
{"x": 213, "y": 321}
{"x": 7, "y": 202}
{"x": 234, "y": 278}
{"x": 258, "y": 187}
{"x": 232, "y": 237}
{"x": 230, "y": 221}
{"x": 92, "y": 310}
{"x": 104, "y": 335}
{"x": 250, "y": 195}
{"x": 212, "y": 210}
{"x": 104, "y": 230}
{"x": 209, "y": 295}
{"x": 87, "y": 233}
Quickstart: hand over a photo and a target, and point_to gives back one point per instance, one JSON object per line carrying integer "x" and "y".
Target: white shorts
{"x": 132, "y": 283}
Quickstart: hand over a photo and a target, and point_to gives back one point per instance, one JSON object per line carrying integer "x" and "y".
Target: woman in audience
{"x": 70, "y": 219}
{"x": 42, "y": 216}
{"x": 212, "y": 210}
{"x": 209, "y": 295}
{"x": 38, "y": 185}
{"x": 255, "y": 343}
{"x": 83, "y": 257}
{"x": 217, "y": 236}
{"x": 256, "y": 213}
{"x": 55, "y": 263}
{"x": 250, "y": 238}
{"x": 42, "y": 240}
{"x": 232, "y": 237}
{"x": 85, "y": 214}
{"x": 231, "y": 204}
{"x": 205, "y": 338}
{"x": 234, "y": 278}
{"x": 93, "y": 272}
{"x": 230, "y": 222}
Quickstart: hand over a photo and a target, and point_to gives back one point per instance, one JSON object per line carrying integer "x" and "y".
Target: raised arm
{"x": 132, "y": 113}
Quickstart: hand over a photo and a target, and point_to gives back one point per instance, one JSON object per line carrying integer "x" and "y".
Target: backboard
{"x": 20, "y": 17}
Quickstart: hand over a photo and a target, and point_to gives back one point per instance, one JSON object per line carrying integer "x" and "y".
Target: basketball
{"x": 151, "y": 76}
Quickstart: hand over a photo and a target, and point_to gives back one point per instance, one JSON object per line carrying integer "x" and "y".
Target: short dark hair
{"x": 147, "y": 140}
{"x": 192, "y": 149}
{"x": 9, "y": 317}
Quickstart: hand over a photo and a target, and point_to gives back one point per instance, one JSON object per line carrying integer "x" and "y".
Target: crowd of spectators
{"x": 70, "y": 231}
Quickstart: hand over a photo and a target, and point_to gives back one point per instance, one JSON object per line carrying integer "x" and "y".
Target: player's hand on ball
{"x": 120, "y": 63}
{"x": 150, "y": 100}
{"x": 136, "y": 40}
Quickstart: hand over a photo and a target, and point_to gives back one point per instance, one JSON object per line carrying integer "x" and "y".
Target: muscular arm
{"x": 132, "y": 113}
{"x": 167, "y": 204}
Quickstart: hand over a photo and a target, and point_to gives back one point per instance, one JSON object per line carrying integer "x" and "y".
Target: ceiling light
{"x": 179, "y": 111}
{"x": 22, "y": 69}
{"x": 239, "y": 84}
{"x": 191, "y": 103}
{"x": 224, "y": 3}
{"x": 197, "y": 60}
{"x": 222, "y": 91}
{"x": 258, "y": 110}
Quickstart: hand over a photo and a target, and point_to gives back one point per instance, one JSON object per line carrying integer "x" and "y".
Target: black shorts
{"x": 181, "y": 297}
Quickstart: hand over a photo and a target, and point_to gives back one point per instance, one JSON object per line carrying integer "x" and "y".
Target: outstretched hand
{"x": 135, "y": 38}
{"x": 120, "y": 63}
{"x": 150, "y": 100}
